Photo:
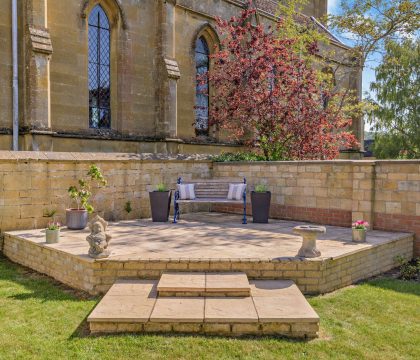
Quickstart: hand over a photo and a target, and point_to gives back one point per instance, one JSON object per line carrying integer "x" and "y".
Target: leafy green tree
{"x": 396, "y": 115}
{"x": 369, "y": 24}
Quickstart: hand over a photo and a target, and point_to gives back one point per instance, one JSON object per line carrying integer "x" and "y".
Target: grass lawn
{"x": 40, "y": 319}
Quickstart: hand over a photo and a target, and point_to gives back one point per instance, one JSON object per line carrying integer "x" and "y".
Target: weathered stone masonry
{"x": 152, "y": 70}
{"x": 312, "y": 276}
{"x": 385, "y": 193}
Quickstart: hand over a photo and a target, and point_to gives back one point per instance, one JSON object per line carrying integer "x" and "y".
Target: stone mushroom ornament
{"x": 98, "y": 238}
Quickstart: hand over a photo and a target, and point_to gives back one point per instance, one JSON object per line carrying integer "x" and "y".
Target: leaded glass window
{"x": 99, "y": 70}
{"x": 202, "y": 64}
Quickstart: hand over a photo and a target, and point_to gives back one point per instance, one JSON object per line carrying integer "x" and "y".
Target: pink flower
{"x": 360, "y": 224}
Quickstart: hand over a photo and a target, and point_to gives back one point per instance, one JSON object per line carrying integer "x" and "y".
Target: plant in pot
{"x": 160, "y": 202}
{"x": 260, "y": 200}
{"x": 77, "y": 218}
{"x": 359, "y": 229}
{"x": 52, "y": 232}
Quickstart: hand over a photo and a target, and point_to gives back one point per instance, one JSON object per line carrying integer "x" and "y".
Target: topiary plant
{"x": 261, "y": 188}
{"x": 82, "y": 194}
{"x": 161, "y": 187}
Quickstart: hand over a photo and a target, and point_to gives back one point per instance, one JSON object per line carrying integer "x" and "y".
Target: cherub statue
{"x": 98, "y": 239}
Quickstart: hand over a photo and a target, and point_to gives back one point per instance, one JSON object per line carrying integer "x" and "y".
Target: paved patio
{"x": 209, "y": 236}
{"x": 209, "y": 242}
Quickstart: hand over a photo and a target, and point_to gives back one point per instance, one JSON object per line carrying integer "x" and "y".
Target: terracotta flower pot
{"x": 359, "y": 235}
{"x": 52, "y": 236}
{"x": 160, "y": 202}
{"x": 260, "y": 206}
{"x": 76, "y": 219}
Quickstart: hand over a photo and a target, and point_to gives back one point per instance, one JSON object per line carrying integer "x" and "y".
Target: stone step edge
{"x": 301, "y": 330}
{"x": 231, "y": 293}
{"x": 240, "y": 287}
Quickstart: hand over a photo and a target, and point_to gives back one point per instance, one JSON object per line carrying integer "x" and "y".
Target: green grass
{"x": 40, "y": 319}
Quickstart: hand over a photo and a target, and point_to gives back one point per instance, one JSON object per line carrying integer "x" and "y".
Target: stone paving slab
{"x": 179, "y": 310}
{"x": 273, "y": 288}
{"x": 133, "y": 287}
{"x": 182, "y": 282}
{"x": 230, "y": 310}
{"x": 225, "y": 282}
{"x": 281, "y": 301}
{"x": 133, "y": 309}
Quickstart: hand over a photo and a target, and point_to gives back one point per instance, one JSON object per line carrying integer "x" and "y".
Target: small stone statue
{"x": 98, "y": 239}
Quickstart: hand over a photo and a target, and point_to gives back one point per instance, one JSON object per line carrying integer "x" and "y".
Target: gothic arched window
{"x": 202, "y": 64}
{"x": 99, "y": 71}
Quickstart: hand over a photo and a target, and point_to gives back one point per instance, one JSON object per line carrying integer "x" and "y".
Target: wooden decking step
{"x": 275, "y": 307}
{"x": 204, "y": 284}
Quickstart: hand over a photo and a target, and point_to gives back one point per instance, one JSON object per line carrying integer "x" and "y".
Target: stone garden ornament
{"x": 309, "y": 235}
{"x": 98, "y": 239}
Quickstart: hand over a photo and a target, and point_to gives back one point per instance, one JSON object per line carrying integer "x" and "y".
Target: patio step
{"x": 203, "y": 284}
{"x": 274, "y": 307}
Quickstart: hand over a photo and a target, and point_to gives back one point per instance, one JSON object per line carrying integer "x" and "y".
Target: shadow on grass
{"x": 82, "y": 331}
{"x": 36, "y": 285}
{"x": 397, "y": 285}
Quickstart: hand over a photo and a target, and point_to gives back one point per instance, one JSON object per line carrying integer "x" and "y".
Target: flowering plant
{"x": 360, "y": 225}
{"x": 54, "y": 225}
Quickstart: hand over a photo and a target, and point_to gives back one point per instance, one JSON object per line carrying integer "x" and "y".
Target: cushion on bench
{"x": 236, "y": 191}
{"x": 186, "y": 191}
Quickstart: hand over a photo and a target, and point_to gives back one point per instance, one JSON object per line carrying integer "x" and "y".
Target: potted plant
{"x": 52, "y": 232}
{"x": 77, "y": 218}
{"x": 359, "y": 229}
{"x": 260, "y": 200}
{"x": 160, "y": 202}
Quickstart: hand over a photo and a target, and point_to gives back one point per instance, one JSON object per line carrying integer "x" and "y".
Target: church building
{"x": 118, "y": 75}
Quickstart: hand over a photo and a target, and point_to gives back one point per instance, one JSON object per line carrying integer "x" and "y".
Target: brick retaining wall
{"x": 312, "y": 276}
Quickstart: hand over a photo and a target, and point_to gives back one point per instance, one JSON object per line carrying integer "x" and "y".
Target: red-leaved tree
{"x": 268, "y": 98}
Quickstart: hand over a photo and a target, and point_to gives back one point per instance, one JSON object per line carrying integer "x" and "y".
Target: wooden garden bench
{"x": 211, "y": 192}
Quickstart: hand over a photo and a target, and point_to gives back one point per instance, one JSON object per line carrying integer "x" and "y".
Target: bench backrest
{"x": 212, "y": 189}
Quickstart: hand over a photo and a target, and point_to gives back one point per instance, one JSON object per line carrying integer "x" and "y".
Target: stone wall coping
{"x": 403, "y": 236}
{"x": 333, "y": 162}
{"x": 12, "y": 156}
{"x": 16, "y": 156}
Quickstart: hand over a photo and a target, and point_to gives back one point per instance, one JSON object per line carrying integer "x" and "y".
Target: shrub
{"x": 240, "y": 156}
{"x": 409, "y": 270}
{"x": 127, "y": 207}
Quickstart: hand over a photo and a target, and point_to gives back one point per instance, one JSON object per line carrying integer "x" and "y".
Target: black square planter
{"x": 160, "y": 203}
{"x": 260, "y": 206}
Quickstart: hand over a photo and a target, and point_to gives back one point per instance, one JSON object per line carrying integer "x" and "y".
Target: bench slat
{"x": 211, "y": 200}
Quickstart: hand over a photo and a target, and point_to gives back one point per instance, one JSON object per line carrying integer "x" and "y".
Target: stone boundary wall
{"x": 385, "y": 193}
{"x": 312, "y": 276}
{"x": 31, "y": 182}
